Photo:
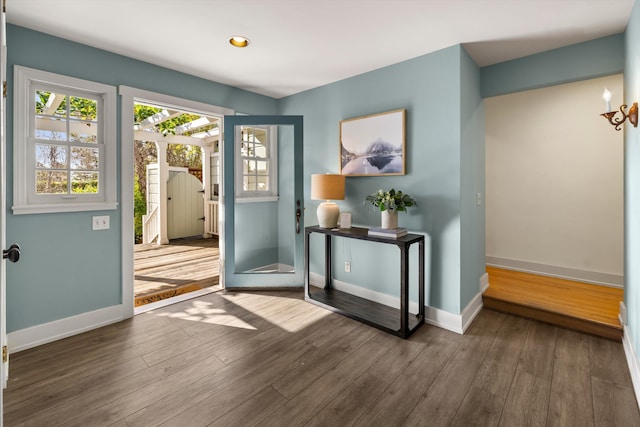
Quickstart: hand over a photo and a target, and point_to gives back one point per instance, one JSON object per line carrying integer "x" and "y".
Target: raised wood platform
{"x": 583, "y": 307}
{"x": 165, "y": 271}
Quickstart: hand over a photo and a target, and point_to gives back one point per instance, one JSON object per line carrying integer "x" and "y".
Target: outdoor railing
{"x": 150, "y": 226}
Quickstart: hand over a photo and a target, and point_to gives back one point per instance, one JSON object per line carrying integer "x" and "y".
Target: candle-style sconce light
{"x": 632, "y": 115}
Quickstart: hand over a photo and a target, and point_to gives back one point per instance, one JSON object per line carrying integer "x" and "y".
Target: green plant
{"x": 391, "y": 200}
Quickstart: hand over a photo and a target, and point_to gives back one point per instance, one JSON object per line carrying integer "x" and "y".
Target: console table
{"x": 396, "y": 321}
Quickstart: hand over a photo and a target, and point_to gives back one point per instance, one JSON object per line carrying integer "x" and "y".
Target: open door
{"x": 263, "y": 202}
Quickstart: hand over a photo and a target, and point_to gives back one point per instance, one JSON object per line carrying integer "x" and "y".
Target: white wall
{"x": 554, "y": 182}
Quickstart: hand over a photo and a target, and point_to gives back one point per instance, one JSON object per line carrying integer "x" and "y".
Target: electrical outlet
{"x": 347, "y": 266}
{"x": 100, "y": 223}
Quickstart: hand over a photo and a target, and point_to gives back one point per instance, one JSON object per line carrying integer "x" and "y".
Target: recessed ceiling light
{"x": 239, "y": 41}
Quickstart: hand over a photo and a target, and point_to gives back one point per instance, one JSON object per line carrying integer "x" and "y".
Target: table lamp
{"x": 327, "y": 187}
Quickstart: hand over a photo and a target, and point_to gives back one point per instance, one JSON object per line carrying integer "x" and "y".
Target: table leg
{"x": 404, "y": 291}
{"x": 327, "y": 261}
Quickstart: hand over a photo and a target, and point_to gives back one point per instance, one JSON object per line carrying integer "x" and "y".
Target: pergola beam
{"x": 172, "y": 139}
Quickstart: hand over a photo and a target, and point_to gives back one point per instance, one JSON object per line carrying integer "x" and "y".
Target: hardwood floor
{"x": 164, "y": 271}
{"x": 271, "y": 359}
{"x": 579, "y": 306}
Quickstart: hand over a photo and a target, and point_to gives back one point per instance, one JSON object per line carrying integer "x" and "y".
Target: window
{"x": 256, "y": 171}
{"x": 64, "y": 144}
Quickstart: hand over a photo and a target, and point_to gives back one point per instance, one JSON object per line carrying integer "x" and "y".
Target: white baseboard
{"x": 317, "y": 280}
{"x": 457, "y": 323}
{"x": 622, "y": 314}
{"x": 632, "y": 361}
{"x": 484, "y": 282}
{"x": 594, "y": 277}
{"x": 58, "y": 329}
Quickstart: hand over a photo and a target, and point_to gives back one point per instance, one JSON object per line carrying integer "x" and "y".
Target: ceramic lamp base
{"x": 328, "y": 213}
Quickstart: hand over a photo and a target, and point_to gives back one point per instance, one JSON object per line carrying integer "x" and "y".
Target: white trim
{"x": 594, "y": 277}
{"x": 129, "y": 96}
{"x": 457, "y": 323}
{"x": 632, "y": 361}
{"x": 156, "y": 98}
{"x": 62, "y": 328}
{"x": 622, "y": 314}
{"x": 57, "y": 208}
{"x": 471, "y": 311}
{"x": 484, "y": 282}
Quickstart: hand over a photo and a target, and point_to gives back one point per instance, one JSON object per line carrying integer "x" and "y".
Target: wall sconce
{"x": 610, "y": 115}
{"x": 327, "y": 187}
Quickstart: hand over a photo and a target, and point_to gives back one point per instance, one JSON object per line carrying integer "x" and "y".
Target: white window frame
{"x": 243, "y": 196}
{"x": 25, "y": 199}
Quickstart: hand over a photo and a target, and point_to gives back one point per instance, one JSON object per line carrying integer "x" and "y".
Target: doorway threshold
{"x": 174, "y": 300}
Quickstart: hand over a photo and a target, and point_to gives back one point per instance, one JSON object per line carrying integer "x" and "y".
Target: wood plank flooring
{"x": 271, "y": 359}
{"x": 579, "y": 306}
{"x": 164, "y": 271}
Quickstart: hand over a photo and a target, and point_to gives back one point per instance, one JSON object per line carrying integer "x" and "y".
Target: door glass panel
{"x": 264, "y": 231}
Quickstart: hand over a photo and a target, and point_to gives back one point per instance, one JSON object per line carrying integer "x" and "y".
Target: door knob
{"x": 12, "y": 254}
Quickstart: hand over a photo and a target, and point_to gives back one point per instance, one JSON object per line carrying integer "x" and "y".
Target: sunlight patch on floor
{"x": 290, "y": 319}
{"x": 201, "y": 311}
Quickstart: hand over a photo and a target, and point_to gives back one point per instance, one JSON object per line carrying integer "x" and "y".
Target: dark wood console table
{"x": 398, "y": 322}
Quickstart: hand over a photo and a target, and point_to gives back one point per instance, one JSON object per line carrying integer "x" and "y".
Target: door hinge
{"x": 4, "y": 89}
{"x": 4, "y": 6}
{"x": 5, "y": 354}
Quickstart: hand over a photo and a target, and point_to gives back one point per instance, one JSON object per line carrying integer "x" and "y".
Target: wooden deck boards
{"x": 163, "y": 271}
{"x": 575, "y": 305}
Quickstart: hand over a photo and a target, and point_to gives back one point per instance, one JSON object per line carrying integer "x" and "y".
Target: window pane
{"x": 51, "y": 128}
{"x": 84, "y": 158}
{"x": 83, "y": 108}
{"x": 262, "y": 168}
{"x": 263, "y": 183}
{"x": 51, "y": 182}
{"x": 249, "y": 183}
{"x": 261, "y": 151}
{"x": 84, "y": 182}
{"x": 51, "y": 156}
{"x": 86, "y": 132}
{"x": 248, "y": 166}
{"x": 50, "y": 104}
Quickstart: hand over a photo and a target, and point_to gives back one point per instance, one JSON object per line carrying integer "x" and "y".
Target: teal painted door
{"x": 263, "y": 202}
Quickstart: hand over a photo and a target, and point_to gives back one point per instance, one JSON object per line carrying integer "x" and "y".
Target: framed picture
{"x": 373, "y": 145}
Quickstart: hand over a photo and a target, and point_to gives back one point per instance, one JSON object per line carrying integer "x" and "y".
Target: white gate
{"x": 185, "y": 206}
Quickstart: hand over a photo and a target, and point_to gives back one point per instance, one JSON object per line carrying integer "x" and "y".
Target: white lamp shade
{"x": 327, "y": 187}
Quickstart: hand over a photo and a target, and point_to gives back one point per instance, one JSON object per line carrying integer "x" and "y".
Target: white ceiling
{"x": 301, "y": 44}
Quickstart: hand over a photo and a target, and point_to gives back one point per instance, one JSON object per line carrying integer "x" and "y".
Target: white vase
{"x": 389, "y": 219}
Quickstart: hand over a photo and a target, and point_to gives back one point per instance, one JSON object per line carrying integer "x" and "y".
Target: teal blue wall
{"x": 582, "y": 61}
{"x": 66, "y": 268}
{"x": 429, "y": 88}
{"x": 632, "y": 183}
{"x": 472, "y": 223}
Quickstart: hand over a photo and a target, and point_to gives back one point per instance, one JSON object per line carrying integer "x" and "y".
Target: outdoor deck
{"x": 184, "y": 265}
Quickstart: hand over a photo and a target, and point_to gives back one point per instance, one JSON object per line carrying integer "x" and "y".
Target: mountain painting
{"x": 373, "y": 145}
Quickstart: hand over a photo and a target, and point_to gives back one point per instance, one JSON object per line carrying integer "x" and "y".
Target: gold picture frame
{"x": 373, "y": 145}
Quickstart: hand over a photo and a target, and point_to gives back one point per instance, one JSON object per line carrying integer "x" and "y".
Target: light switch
{"x": 100, "y": 222}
